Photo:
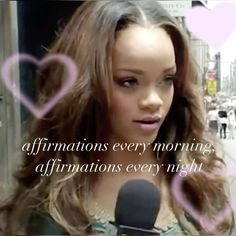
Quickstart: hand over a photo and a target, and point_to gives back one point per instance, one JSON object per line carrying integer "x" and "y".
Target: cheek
{"x": 120, "y": 105}
{"x": 169, "y": 100}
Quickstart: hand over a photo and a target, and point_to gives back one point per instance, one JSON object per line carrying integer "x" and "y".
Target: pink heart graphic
{"x": 71, "y": 78}
{"x": 213, "y": 26}
{"x": 205, "y": 223}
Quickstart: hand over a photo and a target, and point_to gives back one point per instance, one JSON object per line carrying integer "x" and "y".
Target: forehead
{"x": 137, "y": 44}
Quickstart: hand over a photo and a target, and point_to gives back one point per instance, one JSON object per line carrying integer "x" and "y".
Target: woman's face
{"x": 143, "y": 72}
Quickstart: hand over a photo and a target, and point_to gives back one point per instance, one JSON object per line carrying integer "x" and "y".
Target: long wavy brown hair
{"x": 88, "y": 39}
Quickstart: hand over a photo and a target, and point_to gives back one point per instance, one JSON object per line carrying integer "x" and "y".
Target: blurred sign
{"x": 211, "y": 74}
{"x": 212, "y": 87}
{"x": 177, "y": 8}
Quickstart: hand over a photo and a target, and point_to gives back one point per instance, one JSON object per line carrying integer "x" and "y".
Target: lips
{"x": 149, "y": 120}
{"x": 148, "y": 124}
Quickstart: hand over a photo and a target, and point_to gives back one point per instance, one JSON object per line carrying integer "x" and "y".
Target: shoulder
{"x": 44, "y": 225}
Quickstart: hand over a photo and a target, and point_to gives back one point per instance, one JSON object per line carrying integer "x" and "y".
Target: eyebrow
{"x": 137, "y": 71}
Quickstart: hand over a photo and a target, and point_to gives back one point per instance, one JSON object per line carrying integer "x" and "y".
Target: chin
{"x": 136, "y": 137}
{"x": 144, "y": 139}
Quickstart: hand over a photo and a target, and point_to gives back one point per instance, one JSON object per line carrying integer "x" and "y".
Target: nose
{"x": 151, "y": 101}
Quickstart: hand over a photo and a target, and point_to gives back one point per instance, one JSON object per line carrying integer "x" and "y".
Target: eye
{"x": 128, "y": 82}
{"x": 168, "y": 80}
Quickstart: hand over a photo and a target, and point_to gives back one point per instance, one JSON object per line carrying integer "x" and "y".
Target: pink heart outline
{"x": 71, "y": 78}
{"x": 202, "y": 22}
{"x": 205, "y": 223}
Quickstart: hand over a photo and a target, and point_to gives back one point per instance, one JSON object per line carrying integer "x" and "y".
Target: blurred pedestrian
{"x": 231, "y": 124}
{"x": 223, "y": 122}
{"x": 212, "y": 117}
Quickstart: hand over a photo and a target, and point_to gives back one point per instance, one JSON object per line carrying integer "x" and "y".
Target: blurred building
{"x": 202, "y": 56}
{"x": 225, "y": 85}
{"x": 232, "y": 78}
{"x": 201, "y": 49}
{"x": 218, "y": 70}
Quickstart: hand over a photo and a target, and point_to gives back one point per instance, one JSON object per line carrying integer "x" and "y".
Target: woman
{"x": 137, "y": 83}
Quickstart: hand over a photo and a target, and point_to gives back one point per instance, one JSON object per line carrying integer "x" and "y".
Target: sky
{"x": 228, "y": 50}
